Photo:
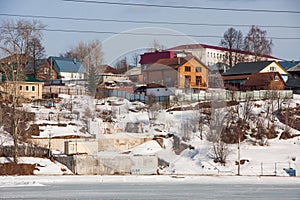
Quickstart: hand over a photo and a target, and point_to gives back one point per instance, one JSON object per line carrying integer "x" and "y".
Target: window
{"x": 33, "y": 88}
{"x": 272, "y": 69}
{"x": 208, "y": 54}
{"x": 21, "y": 87}
{"x": 198, "y": 69}
{"x": 46, "y": 70}
{"x": 187, "y": 81}
{"x": 27, "y": 88}
{"x": 276, "y": 78}
{"x": 168, "y": 80}
{"x": 198, "y": 80}
{"x": 187, "y": 68}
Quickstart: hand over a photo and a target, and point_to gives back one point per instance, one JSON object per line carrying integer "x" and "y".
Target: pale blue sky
{"x": 115, "y": 46}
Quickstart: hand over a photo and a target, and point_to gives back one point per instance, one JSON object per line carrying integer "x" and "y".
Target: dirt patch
{"x": 17, "y": 169}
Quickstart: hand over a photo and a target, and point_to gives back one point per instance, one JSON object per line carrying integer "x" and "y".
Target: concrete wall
{"x": 87, "y": 146}
{"x": 111, "y": 164}
{"x": 144, "y": 164}
{"x": 102, "y": 165}
{"x": 112, "y": 143}
{"x": 115, "y": 144}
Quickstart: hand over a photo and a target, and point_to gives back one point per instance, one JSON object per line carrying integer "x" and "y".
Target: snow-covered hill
{"x": 191, "y": 154}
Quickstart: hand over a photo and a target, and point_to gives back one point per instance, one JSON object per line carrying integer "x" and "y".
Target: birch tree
{"x": 256, "y": 42}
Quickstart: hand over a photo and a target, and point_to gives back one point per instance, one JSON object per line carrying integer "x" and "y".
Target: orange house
{"x": 181, "y": 73}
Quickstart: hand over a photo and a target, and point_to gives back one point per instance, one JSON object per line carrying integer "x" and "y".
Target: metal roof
{"x": 67, "y": 64}
{"x": 247, "y": 68}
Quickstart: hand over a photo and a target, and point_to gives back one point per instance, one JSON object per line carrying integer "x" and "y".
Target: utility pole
{"x": 239, "y": 154}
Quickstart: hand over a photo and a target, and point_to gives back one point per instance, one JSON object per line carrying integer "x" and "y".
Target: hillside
{"x": 183, "y": 134}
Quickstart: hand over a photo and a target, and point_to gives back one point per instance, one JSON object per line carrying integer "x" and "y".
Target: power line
{"x": 186, "y": 7}
{"x": 145, "y": 21}
{"x": 145, "y": 34}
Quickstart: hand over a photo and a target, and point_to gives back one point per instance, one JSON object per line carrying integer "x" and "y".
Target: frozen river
{"x": 80, "y": 188}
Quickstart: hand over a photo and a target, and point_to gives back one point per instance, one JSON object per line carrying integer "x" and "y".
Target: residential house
{"x": 20, "y": 59}
{"x": 178, "y": 72}
{"x": 110, "y": 79}
{"x": 69, "y": 68}
{"x": 236, "y": 77}
{"x": 293, "y": 82}
{"x": 158, "y": 90}
{"x": 210, "y": 55}
{"x": 107, "y": 73}
{"x": 135, "y": 75}
{"x": 288, "y": 64}
{"x": 265, "y": 81}
{"x": 295, "y": 71}
{"x": 149, "y": 58}
{"x": 43, "y": 70}
{"x": 30, "y": 88}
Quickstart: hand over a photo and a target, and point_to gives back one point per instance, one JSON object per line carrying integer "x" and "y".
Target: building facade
{"x": 210, "y": 55}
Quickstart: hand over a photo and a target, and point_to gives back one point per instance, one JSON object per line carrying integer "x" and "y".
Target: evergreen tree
{"x": 92, "y": 80}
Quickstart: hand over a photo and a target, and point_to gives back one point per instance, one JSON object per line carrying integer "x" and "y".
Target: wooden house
{"x": 236, "y": 77}
{"x": 178, "y": 72}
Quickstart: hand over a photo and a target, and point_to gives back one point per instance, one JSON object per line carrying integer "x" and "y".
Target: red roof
{"x": 167, "y": 63}
{"x": 106, "y": 69}
{"x": 152, "y": 57}
{"x": 205, "y": 46}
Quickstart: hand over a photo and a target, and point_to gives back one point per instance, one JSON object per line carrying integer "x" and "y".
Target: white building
{"x": 69, "y": 68}
{"x": 210, "y": 55}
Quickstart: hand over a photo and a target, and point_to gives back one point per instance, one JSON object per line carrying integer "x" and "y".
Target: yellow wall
{"x": 277, "y": 67}
{"x": 25, "y": 89}
{"x": 193, "y": 63}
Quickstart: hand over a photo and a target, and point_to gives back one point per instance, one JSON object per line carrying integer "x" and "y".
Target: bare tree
{"x": 156, "y": 46}
{"x": 153, "y": 108}
{"x": 256, "y": 42}
{"x": 220, "y": 150}
{"x": 90, "y": 54}
{"x": 122, "y": 65}
{"x": 135, "y": 58}
{"x": 233, "y": 41}
{"x": 16, "y": 37}
{"x": 15, "y": 42}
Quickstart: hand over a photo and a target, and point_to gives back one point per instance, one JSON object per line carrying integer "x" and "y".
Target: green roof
{"x": 31, "y": 79}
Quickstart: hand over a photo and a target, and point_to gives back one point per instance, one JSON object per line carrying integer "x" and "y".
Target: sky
{"x": 130, "y": 40}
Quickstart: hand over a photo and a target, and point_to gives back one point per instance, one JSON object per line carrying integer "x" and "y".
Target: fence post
{"x": 261, "y": 168}
{"x": 275, "y": 168}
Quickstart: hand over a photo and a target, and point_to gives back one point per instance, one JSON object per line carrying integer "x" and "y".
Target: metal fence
{"x": 277, "y": 169}
{"x": 65, "y": 90}
{"x": 226, "y": 95}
